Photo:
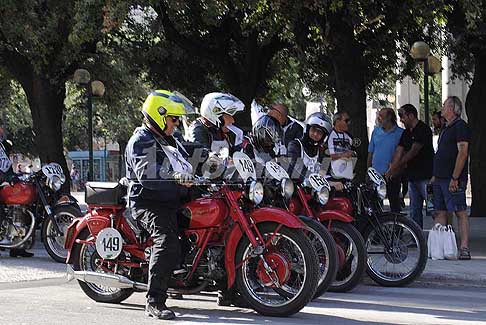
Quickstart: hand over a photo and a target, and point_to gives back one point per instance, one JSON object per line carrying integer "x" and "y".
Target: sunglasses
{"x": 175, "y": 119}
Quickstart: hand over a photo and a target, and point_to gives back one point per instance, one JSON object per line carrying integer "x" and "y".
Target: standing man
{"x": 415, "y": 153}
{"x": 451, "y": 169}
{"x": 383, "y": 143}
{"x": 292, "y": 129}
{"x": 438, "y": 121}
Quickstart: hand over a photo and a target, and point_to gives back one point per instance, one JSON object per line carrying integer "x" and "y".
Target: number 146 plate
{"x": 109, "y": 243}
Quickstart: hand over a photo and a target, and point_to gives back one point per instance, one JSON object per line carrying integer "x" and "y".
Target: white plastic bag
{"x": 450, "y": 244}
{"x": 435, "y": 242}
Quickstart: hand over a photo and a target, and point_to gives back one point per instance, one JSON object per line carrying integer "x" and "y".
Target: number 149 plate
{"x": 109, "y": 243}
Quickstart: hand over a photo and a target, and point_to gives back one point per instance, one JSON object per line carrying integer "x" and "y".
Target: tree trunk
{"x": 476, "y": 113}
{"x": 46, "y": 101}
{"x": 351, "y": 94}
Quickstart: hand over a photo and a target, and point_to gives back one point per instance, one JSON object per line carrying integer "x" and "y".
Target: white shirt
{"x": 339, "y": 142}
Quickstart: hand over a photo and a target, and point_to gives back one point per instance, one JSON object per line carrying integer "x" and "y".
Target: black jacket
{"x": 7, "y": 175}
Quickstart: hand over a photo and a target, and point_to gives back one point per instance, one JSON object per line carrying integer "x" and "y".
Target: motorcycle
{"x": 36, "y": 200}
{"x": 279, "y": 192}
{"x": 230, "y": 241}
{"x": 395, "y": 244}
{"x": 309, "y": 200}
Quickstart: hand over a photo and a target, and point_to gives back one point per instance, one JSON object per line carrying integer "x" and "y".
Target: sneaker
{"x": 465, "y": 254}
{"x": 159, "y": 311}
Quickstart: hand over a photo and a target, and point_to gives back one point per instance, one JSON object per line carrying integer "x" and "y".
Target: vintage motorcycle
{"x": 308, "y": 201}
{"x": 33, "y": 201}
{"x": 395, "y": 244}
{"x": 262, "y": 252}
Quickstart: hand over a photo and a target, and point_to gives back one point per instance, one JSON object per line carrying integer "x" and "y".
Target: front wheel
{"x": 353, "y": 267}
{"x": 397, "y": 251}
{"x": 325, "y": 247}
{"x": 53, "y": 242}
{"x": 282, "y": 280}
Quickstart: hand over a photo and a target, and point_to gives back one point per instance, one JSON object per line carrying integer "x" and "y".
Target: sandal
{"x": 465, "y": 254}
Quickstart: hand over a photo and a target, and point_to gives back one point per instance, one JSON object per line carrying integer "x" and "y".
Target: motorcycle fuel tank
{"x": 205, "y": 213}
{"x": 20, "y": 193}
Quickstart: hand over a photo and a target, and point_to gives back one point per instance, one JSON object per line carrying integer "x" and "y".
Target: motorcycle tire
{"x": 325, "y": 247}
{"x": 352, "y": 243}
{"x": 397, "y": 251}
{"x": 248, "y": 280}
{"x": 55, "y": 244}
{"x": 96, "y": 293}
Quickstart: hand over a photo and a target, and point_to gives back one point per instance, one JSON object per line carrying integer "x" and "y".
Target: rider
{"x": 7, "y": 175}
{"x": 310, "y": 148}
{"x": 212, "y": 129}
{"x": 157, "y": 167}
{"x": 265, "y": 141}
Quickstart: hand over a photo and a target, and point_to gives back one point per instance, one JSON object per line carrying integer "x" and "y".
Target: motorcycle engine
{"x": 13, "y": 224}
{"x": 211, "y": 264}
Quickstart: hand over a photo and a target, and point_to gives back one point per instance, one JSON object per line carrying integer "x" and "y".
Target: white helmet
{"x": 215, "y": 104}
{"x": 319, "y": 120}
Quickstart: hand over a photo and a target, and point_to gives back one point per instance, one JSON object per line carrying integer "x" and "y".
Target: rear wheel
{"x": 282, "y": 280}
{"x": 353, "y": 267}
{"x": 84, "y": 259}
{"x": 397, "y": 251}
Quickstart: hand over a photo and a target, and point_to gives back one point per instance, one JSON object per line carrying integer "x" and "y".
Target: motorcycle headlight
{"x": 287, "y": 188}
{"x": 323, "y": 195}
{"x": 381, "y": 189}
{"x": 54, "y": 183}
{"x": 255, "y": 192}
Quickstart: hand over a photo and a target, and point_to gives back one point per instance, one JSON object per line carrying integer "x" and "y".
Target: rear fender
{"x": 261, "y": 215}
{"x": 94, "y": 222}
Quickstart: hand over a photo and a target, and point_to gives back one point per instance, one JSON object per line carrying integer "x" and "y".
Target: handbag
{"x": 450, "y": 244}
{"x": 435, "y": 242}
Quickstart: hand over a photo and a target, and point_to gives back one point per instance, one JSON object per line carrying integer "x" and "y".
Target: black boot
{"x": 159, "y": 311}
{"x": 15, "y": 252}
{"x": 231, "y": 297}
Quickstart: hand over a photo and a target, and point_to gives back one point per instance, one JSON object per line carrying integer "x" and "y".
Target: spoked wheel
{"x": 397, "y": 251}
{"x": 353, "y": 267}
{"x": 325, "y": 247}
{"x": 53, "y": 242}
{"x": 283, "y": 279}
{"x": 85, "y": 258}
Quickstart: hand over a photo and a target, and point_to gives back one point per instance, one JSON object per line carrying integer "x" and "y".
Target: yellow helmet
{"x": 162, "y": 103}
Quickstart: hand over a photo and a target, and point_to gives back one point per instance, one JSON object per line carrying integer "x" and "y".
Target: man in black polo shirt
{"x": 415, "y": 154}
{"x": 450, "y": 171}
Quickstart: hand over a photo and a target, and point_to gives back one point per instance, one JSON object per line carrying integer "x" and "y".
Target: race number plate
{"x": 276, "y": 171}
{"x": 244, "y": 166}
{"x": 317, "y": 182}
{"x": 53, "y": 169}
{"x": 375, "y": 176}
{"x": 109, "y": 243}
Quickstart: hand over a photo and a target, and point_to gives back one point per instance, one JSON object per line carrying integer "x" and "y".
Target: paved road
{"x": 56, "y": 302}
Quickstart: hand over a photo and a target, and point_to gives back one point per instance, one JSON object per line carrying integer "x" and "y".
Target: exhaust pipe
{"x": 109, "y": 280}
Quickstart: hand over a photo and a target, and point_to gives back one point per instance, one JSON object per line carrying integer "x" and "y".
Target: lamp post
{"x": 420, "y": 51}
{"x": 93, "y": 88}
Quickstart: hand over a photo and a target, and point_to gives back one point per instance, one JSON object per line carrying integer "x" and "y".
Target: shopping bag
{"x": 435, "y": 242}
{"x": 450, "y": 244}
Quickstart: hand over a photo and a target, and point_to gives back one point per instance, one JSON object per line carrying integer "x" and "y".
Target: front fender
{"x": 329, "y": 215}
{"x": 67, "y": 199}
{"x": 260, "y": 215}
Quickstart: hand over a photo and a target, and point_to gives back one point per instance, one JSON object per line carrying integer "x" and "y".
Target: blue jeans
{"x": 417, "y": 190}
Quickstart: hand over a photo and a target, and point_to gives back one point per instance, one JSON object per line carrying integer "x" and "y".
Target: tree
{"x": 40, "y": 49}
{"x": 236, "y": 40}
{"x": 349, "y": 46}
{"x": 466, "y": 23}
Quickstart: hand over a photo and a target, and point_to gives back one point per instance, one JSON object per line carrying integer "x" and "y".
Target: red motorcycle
{"x": 262, "y": 252}
{"x": 35, "y": 199}
{"x": 308, "y": 201}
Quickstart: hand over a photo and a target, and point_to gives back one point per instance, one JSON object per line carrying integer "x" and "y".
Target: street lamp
{"x": 93, "y": 88}
{"x": 420, "y": 51}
